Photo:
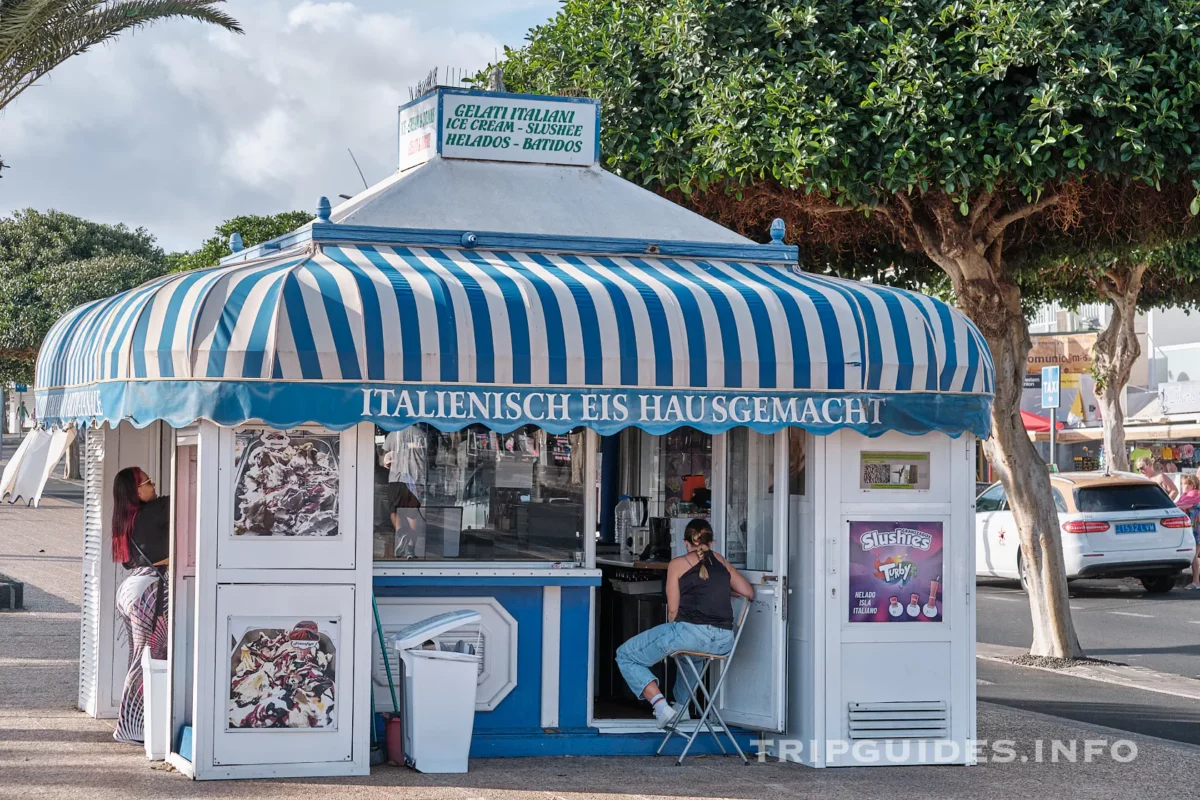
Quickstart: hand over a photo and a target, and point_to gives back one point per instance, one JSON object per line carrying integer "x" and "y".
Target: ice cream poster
{"x": 283, "y": 673}
{"x": 896, "y": 571}
{"x": 287, "y": 484}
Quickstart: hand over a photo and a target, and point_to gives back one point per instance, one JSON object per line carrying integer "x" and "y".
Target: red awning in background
{"x": 1035, "y": 423}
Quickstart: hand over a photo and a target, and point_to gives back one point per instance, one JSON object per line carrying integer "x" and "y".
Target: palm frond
{"x": 38, "y": 35}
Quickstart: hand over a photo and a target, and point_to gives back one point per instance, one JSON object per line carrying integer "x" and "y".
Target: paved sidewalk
{"x": 48, "y": 749}
{"x": 1127, "y": 675}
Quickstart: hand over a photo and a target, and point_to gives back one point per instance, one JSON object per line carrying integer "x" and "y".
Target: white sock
{"x": 659, "y": 704}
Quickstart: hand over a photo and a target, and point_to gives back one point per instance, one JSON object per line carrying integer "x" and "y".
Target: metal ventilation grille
{"x": 93, "y": 553}
{"x": 922, "y": 720}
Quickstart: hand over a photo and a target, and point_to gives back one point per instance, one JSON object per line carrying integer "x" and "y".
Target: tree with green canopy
{"x": 51, "y": 262}
{"x": 38, "y": 35}
{"x": 254, "y": 229}
{"x": 953, "y": 140}
{"x": 1129, "y": 280}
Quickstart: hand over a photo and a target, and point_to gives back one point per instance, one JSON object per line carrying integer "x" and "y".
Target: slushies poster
{"x": 895, "y": 571}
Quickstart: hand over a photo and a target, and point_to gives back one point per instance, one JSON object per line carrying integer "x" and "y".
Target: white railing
{"x": 1045, "y": 318}
{"x": 1097, "y": 313}
{"x": 1045, "y": 315}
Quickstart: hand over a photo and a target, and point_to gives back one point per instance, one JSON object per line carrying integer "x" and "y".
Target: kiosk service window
{"x": 478, "y": 495}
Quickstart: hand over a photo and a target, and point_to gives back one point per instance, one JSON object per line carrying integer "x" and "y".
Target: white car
{"x": 1113, "y": 526}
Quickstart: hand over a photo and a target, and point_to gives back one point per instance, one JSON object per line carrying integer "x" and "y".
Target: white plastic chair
{"x": 710, "y": 706}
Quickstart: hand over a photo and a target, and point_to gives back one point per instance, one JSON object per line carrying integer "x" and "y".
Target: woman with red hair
{"x": 141, "y": 527}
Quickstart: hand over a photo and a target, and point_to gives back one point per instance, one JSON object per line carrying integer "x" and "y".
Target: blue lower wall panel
{"x": 574, "y": 628}
{"x": 521, "y": 710}
{"x": 513, "y": 728}
{"x": 592, "y": 743}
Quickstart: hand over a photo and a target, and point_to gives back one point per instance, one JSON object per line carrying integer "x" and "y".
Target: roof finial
{"x": 235, "y": 242}
{"x": 778, "y": 229}
{"x": 323, "y": 209}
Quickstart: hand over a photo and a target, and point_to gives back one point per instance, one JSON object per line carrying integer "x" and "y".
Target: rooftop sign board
{"x": 496, "y": 126}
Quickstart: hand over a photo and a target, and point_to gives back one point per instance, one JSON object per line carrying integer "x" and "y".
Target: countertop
{"x": 629, "y": 562}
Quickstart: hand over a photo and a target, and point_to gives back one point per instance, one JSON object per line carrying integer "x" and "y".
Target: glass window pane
{"x": 797, "y": 460}
{"x": 478, "y": 495}
{"x": 1123, "y": 497}
{"x": 672, "y": 475}
{"x": 991, "y": 500}
{"x": 750, "y": 516}
{"x": 672, "y": 471}
{"x": 684, "y": 473}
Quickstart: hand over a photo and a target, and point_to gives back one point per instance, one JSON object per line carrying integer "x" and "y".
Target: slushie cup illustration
{"x": 895, "y": 609}
{"x": 914, "y": 604}
{"x": 931, "y": 610}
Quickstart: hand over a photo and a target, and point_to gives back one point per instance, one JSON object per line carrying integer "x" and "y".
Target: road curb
{"x": 1119, "y": 674}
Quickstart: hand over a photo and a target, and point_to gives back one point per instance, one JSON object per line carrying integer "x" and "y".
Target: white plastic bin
{"x": 154, "y": 706}
{"x": 439, "y": 695}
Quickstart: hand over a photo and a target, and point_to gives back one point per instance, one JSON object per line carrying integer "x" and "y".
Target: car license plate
{"x": 1136, "y": 527}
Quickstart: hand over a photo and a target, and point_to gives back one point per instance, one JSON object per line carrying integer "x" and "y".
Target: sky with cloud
{"x": 179, "y": 126}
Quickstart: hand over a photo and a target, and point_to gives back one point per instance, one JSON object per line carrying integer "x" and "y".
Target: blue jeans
{"x": 635, "y": 657}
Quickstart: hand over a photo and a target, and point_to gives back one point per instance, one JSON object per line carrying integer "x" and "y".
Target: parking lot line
{"x": 1132, "y": 614}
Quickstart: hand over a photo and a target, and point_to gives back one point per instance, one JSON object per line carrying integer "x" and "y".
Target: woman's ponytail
{"x": 700, "y": 534}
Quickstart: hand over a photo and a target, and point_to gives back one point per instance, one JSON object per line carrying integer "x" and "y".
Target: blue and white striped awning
{"x": 342, "y": 334}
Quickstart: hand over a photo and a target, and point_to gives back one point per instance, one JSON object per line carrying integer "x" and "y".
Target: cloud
{"x": 321, "y": 17}
{"x": 268, "y": 150}
{"x": 180, "y": 126}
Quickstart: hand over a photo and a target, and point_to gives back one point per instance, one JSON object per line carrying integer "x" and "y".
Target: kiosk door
{"x": 755, "y": 506}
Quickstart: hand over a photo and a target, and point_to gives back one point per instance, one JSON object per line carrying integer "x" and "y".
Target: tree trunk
{"x": 996, "y": 309}
{"x": 71, "y": 464}
{"x": 1116, "y": 453}
{"x": 969, "y": 249}
{"x": 1116, "y": 350}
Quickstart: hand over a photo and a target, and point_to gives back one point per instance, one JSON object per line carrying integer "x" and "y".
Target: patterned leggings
{"x": 136, "y": 601}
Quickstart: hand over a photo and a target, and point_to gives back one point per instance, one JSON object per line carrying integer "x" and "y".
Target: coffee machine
{"x": 659, "y": 546}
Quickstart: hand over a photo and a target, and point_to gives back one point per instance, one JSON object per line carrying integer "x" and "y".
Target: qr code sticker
{"x": 877, "y": 473}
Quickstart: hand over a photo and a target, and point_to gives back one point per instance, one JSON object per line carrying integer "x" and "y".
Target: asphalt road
{"x": 1115, "y": 620}
{"x": 1134, "y": 710}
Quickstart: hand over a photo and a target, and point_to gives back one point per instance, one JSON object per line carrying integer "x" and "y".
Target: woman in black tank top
{"x": 700, "y": 589}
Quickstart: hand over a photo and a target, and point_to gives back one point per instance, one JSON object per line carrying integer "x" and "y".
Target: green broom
{"x": 377, "y": 755}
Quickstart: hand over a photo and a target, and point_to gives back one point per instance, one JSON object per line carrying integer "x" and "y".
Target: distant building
{"x": 1162, "y": 402}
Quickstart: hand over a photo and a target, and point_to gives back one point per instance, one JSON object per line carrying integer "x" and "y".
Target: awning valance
{"x": 339, "y": 334}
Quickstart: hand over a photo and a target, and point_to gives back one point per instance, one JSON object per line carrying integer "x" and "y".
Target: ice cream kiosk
{"x": 501, "y": 380}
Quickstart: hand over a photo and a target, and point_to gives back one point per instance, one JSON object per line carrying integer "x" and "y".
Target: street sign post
{"x": 1050, "y": 400}
{"x": 1050, "y": 383}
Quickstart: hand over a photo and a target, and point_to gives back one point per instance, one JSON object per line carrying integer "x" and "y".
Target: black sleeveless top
{"x": 151, "y": 534}
{"x": 706, "y": 602}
